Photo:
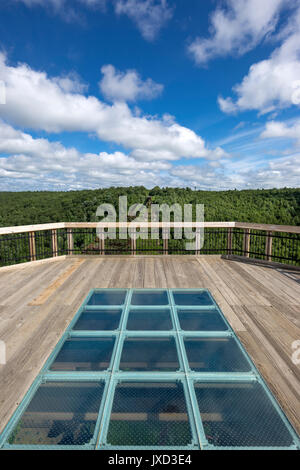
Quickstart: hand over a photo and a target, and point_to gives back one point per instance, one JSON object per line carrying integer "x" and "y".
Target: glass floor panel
{"x": 135, "y": 370}
{"x": 149, "y": 414}
{"x": 84, "y": 354}
{"x": 60, "y": 413}
{"x": 215, "y": 355}
{"x": 201, "y": 320}
{"x": 98, "y": 320}
{"x": 149, "y": 298}
{"x": 240, "y": 414}
{"x": 159, "y": 319}
{"x": 196, "y": 297}
{"x": 107, "y": 297}
{"x": 149, "y": 354}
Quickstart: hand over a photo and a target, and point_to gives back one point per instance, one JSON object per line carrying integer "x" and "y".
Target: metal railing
{"x": 270, "y": 243}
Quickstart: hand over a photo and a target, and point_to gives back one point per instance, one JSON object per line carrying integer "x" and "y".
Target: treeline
{"x": 271, "y": 206}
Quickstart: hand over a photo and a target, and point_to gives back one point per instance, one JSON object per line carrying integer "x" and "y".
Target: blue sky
{"x": 95, "y": 93}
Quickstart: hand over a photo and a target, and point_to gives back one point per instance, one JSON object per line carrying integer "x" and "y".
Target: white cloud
{"x": 240, "y": 174}
{"x": 279, "y": 173}
{"x": 270, "y": 84}
{"x": 35, "y": 101}
{"x": 149, "y": 15}
{"x": 29, "y": 163}
{"x": 276, "y": 129}
{"x": 227, "y": 105}
{"x": 40, "y": 163}
{"x": 237, "y": 28}
{"x": 127, "y": 86}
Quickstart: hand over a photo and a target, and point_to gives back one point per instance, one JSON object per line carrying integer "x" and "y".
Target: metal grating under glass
{"x": 98, "y": 320}
{"x": 60, "y": 413}
{"x": 201, "y": 320}
{"x": 240, "y": 414}
{"x": 149, "y": 369}
{"x": 84, "y": 354}
{"x": 149, "y": 354}
{"x": 215, "y": 355}
{"x": 143, "y": 320}
{"x": 149, "y": 414}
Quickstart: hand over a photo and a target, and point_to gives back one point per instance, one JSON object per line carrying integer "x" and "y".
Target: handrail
{"x": 31, "y": 228}
{"x": 62, "y": 225}
{"x": 268, "y": 227}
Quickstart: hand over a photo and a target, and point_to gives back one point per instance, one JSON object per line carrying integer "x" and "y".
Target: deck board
{"x": 261, "y": 304}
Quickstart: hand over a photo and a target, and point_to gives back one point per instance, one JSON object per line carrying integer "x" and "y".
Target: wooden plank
{"x": 269, "y": 348}
{"x": 266, "y": 322}
{"x": 223, "y": 296}
{"x": 269, "y": 285}
{"x": 30, "y": 228}
{"x": 134, "y": 224}
{"x": 269, "y": 227}
{"x": 41, "y": 299}
{"x": 160, "y": 274}
{"x": 242, "y": 290}
{"x": 262, "y": 262}
{"x": 149, "y": 280}
{"x": 60, "y": 225}
{"x": 17, "y": 267}
{"x": 279, "y": 331}
{"x": 31, "y": 282}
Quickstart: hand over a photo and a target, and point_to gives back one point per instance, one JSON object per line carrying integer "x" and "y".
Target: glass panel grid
{"x": 195, "y": 318}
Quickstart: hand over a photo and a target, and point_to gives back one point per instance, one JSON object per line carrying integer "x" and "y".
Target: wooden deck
{"x": 38, "y": 301}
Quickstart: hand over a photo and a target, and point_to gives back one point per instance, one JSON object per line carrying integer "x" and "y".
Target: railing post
{"x": 198, "y": 238}
{"x": 100, "y": 233}
{"x": 229, "y": 241}
{"x": 32, "y": 249}
{"x": 165, "y": 241}
{"x": 54, "y": 243}
{"x": 70, "y": 241}
{"x": 133, "y": 242}
{"x": 246, "y": 247}
{"x": 268, "y": 251}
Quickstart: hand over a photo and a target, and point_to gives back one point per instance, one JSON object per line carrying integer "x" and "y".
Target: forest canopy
{"x": 270, "y": 206}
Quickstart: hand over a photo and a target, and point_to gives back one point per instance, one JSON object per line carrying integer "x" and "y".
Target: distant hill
{"x": 270, "y": 206}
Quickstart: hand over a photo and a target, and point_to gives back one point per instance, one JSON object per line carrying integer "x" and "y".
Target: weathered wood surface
{"x": 261, "y": 304}
{"x": 61, "y": 225}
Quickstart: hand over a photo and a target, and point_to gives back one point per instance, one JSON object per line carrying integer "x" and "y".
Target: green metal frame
{"x": 113, "y": 376}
